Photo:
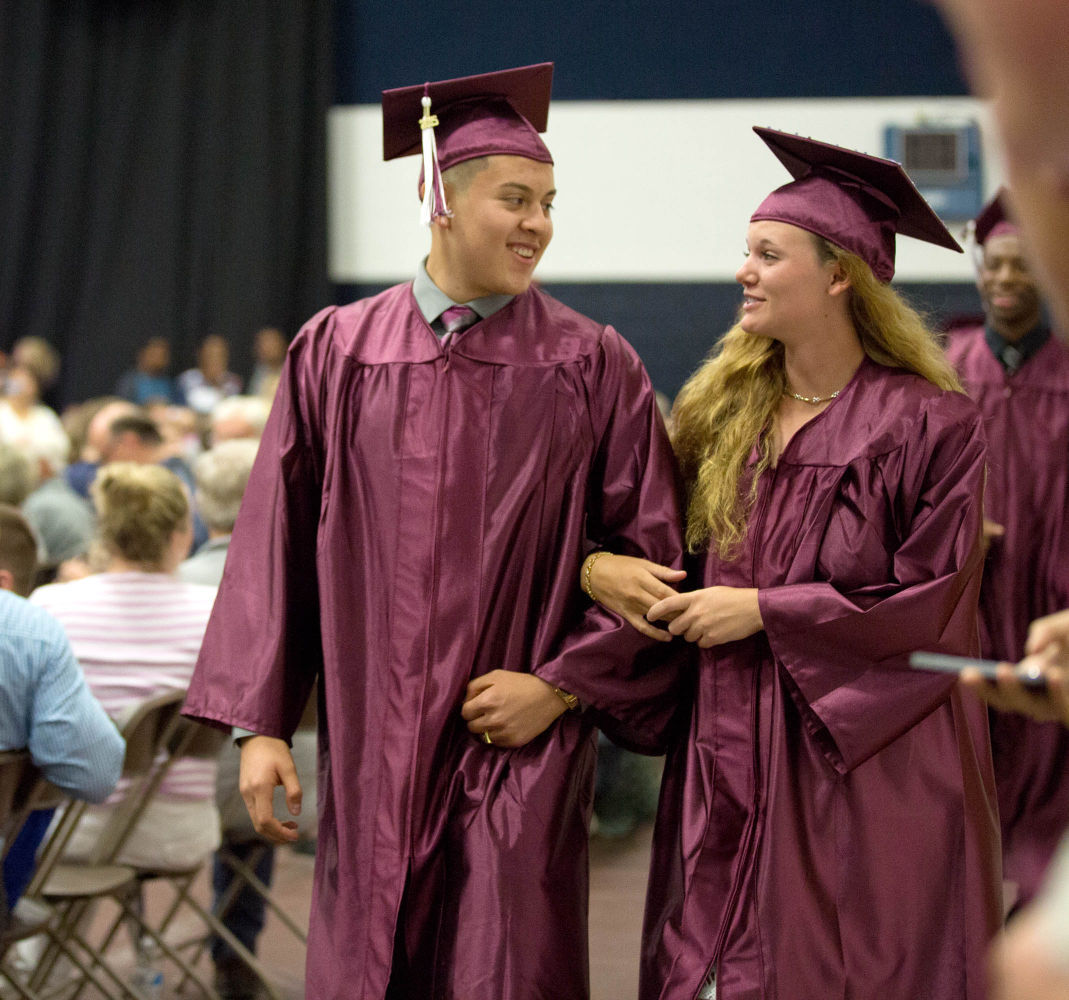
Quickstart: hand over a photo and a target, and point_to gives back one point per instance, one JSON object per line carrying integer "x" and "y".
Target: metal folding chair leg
{"x": 248, "y": 874}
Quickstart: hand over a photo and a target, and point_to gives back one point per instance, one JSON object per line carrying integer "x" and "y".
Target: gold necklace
{"x": 812, "y": 400}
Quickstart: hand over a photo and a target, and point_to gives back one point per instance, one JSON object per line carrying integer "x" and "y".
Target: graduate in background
{"x": 1015, "y": 51}
{"x": 1018, "y": 374}
{"x": 828, "y": 828}
{"x": 438, "y": 460}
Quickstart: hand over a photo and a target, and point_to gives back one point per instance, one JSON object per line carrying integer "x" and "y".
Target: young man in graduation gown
{"x": 1018, "y": 374}
{"x": 411, "y": 534}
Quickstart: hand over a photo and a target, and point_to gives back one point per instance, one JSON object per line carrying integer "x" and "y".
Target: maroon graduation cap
{"x": 856, "y": 201}
{"x": 451, "y": 121}
{"x": 994, "y": 219}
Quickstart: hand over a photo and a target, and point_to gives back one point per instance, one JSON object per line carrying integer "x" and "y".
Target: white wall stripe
{"x": 649, "y": 190}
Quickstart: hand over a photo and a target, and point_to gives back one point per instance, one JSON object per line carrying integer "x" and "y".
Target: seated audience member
{"x": 202, "y": 387}
{"x": 89, "y": 430}
{"x": 41, "y": 358}
{"x": 16, "y": 475}
{"x": 134, "y": 437}
{"x": 150, "y": 382}
{"x": 23, "y": 417}
{"x": 136, "y": 630}
{"x": 63, "y": 520}
{"x": 181, "y": 430}
{"x": 239, "y": 417}
{"x": 270, "y": 348}
{"x": 45, "y": 704}
{"x": 221, "y": 475}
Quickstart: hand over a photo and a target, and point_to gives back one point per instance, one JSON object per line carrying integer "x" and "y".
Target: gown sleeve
{"x": 629, "y": 683}
{"x": 262, "y": 650}
{"x": 846, "y": 652}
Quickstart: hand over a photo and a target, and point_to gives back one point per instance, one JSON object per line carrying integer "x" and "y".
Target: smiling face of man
{"x": 1008, "y": 287}
{"x": 499, "y": 229}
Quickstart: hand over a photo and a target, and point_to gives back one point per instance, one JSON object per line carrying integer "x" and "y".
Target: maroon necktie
{"x": 455, "y": 319}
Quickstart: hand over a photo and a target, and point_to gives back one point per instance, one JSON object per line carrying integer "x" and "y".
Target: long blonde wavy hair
{"x": 730, "y": 401}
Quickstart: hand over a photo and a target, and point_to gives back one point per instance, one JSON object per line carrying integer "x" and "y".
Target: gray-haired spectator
{"x": 63, "y": 520}
{"x": 16, "y": 475}
{"x": 221, "y": 475}
{"x": 239, "y": 417}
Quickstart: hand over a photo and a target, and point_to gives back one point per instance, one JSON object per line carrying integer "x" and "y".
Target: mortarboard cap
{"x": 856, "y": 201}
{"x": 994, "y": 219}
{"x": 449, "y": 122}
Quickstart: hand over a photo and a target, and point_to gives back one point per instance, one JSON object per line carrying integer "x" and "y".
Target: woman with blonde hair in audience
{"x": 136, "y": 629}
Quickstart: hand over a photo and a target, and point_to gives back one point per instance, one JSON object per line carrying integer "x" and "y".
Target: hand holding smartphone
{"x": 1033, "y": 678}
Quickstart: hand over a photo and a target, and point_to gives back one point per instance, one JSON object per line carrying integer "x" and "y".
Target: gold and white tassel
{"x": 433, "y": 187}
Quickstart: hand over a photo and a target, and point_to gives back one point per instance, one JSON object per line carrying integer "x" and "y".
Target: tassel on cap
{"x": 433, "y": 188}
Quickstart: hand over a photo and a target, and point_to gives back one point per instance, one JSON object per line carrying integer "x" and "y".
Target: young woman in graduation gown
{"x": 828, "y": 827}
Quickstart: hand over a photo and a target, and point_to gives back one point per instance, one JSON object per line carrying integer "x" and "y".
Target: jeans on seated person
{"x": 22, "y": 857}
{"x": 244, "y": 918}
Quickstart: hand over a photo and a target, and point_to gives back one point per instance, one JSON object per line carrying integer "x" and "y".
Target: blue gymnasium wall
{"x": 647, "y": 51}
{"x": 642, "y": 51}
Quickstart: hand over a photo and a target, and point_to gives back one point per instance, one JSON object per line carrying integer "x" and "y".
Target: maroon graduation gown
{"x": 416, "y": 518}
{"x": 1026, "y": 576}
{"x": 828, "y": 829}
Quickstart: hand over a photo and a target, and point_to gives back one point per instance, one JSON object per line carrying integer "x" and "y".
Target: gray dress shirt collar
{"x": 432, "y": 301}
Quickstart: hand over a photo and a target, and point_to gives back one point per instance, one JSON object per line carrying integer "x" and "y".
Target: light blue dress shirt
{"x": 47, "y": 708}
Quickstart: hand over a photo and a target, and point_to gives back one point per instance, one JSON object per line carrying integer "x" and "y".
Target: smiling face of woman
{"x": 786, "y": 284}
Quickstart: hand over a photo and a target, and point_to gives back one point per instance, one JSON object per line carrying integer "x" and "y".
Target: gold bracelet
{"x": 590, "y": 560}
{"x": 569, "y": 699}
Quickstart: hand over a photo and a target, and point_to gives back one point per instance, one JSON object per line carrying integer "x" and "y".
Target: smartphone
{"x": 955, "y": 664}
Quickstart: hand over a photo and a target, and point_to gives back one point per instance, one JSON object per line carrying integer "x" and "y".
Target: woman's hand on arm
{"x": 712, "y": 615}
{"x": 629, "y": 586}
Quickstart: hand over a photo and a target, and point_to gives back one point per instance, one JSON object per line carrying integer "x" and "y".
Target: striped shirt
{"x": 137, "y": 635}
